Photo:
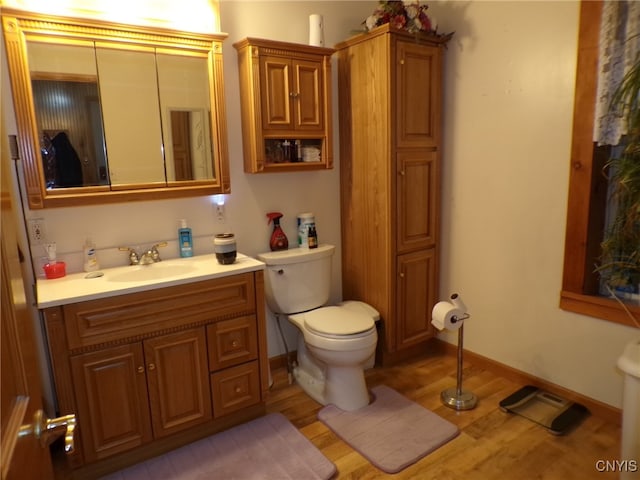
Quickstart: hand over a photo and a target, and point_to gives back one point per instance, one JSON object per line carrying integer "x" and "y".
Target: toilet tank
{"x": 298, "y": 279}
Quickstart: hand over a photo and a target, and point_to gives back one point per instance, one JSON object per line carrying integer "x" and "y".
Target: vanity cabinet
{"x": 286, "y": 105}
{"x": 160, "y": 367}
{"x": 389, "y": 84}
{"x": 130, "y": 394}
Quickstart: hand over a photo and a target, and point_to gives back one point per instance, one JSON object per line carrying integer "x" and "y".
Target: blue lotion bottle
{"x": 185, "y": 240}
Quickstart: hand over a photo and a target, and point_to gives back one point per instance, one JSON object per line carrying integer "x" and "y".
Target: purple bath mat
{"x": 268, "y": 448}
{"x": 392, "y": 432}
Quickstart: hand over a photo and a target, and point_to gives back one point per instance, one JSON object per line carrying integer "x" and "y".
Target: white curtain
{"x": 619, "y": 49}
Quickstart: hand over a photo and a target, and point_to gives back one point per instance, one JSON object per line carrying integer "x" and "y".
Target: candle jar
{"x": 224, "y": 245}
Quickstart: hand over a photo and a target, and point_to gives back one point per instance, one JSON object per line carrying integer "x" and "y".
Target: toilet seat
{"x": 338, "y": 322}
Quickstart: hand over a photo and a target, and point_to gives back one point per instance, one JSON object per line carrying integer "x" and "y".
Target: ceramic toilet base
{"x": 312, "y": 386}
{"x": 344, "y": 387}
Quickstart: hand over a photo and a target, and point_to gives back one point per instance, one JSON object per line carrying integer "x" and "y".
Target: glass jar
{"x": 224, "y": 245}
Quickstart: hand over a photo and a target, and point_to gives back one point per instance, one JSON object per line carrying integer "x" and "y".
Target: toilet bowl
{"x": 335, "y": 343}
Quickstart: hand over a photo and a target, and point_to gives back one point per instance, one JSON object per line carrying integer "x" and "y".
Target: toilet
{"x": 335, "y": 343}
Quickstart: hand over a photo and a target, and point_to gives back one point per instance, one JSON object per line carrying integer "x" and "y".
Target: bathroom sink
{"x": 110, "y": 282}
{"x": 155, "y": 271}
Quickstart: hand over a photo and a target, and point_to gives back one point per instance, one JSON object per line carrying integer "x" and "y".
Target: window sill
{"x": 599, "y": 307}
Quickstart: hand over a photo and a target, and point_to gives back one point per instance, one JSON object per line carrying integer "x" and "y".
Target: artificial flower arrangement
{"x": 411, "y": 17}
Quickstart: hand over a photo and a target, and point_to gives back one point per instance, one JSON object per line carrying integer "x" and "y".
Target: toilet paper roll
{"x": 316, "y": 30}
{"x": 446, "y": 316}
{"x": 457, "y": 301}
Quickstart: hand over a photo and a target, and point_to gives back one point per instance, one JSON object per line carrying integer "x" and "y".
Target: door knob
{"x": 48, "y": 429}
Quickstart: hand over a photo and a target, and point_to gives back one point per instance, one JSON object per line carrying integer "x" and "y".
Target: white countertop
{"x": 115, "y": 281}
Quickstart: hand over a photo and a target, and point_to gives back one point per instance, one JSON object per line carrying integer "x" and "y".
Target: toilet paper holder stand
{"x": 456, "y": 397}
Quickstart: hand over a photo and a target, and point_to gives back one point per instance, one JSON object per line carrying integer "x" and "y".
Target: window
{"x": 587, "y": 189}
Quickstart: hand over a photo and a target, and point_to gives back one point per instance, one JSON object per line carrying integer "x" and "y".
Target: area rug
{"x": 392, "y": 432}
{"x": 269, "y": 448}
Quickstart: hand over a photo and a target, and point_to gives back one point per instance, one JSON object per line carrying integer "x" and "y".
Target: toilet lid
{"x": 337, "y": 321}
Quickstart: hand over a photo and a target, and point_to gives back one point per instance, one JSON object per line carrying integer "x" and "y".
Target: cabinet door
{"x": 417, "y": 200}
{"x": 178, "y": 381}
{"x": 417, "y": 95}
{"x": 307, "y": 95}
{"x": 416, "y": 294}
{"x": 275, "y": 93}
{"x": 111, "y": 394}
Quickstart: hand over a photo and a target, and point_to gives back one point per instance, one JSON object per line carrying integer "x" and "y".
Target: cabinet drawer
{"x": 235, "y": 388}
{"x": 125, "y": 316}
{"x": 232, "y": 342}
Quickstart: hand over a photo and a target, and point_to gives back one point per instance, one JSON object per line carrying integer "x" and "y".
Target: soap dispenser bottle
{"x": 185, "y": 239}
{"x": 278, "y": 239}
{"x": 90, "y": 263}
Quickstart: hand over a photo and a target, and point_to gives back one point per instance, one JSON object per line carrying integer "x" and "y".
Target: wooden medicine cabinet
{"x": 285, "y": 92}
{"x": 111, "y": 113}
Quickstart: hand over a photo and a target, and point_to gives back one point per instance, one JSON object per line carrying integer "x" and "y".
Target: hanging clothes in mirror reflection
{"x": 62, "y": 165}
{"x": 68, "y": 165}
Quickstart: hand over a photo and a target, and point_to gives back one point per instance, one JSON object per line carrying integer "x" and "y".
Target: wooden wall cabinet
{"x": 285, "y": 93}
{"x": 182, "y": 361}
{"x": 389, "y": 84}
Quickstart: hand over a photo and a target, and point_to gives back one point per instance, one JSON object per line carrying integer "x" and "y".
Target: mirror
{"x": 111, "y": 113}
{"x": 66, "y": 99}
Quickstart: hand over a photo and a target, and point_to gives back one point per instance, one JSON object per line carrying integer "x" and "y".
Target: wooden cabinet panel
{"x": 417, "y": 95}
{"x": 275, "y": 93}
{"x": 235, "y": 388}
{"x": 231, "y": 342}
{"x": 109, "y": 319}
{"x": 418, "y": 200}
{"x": 416, "y": 294}
{"x": 178, "y": 381}
{"x": 308, "y": 95}
{"x": 111, "y": 395}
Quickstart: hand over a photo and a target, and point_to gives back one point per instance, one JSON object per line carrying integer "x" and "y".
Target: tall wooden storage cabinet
{"x": 389, "y": 84}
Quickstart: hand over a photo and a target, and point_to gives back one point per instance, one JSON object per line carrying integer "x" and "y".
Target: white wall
{"x": 509, "y": 82}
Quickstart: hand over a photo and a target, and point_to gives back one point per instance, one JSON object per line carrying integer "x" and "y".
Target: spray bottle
{"x": 278, "y": 239}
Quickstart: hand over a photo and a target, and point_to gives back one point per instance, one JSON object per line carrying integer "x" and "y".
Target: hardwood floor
{"x": 492, "y": 444}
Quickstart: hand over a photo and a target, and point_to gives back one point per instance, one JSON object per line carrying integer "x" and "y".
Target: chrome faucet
{"x": 147, "y": 258}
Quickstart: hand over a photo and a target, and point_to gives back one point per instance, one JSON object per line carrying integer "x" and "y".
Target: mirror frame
{"x": 19, "y": 26}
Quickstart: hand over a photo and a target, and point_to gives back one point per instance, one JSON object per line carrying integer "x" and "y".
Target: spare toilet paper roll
{"x": 316, "y": 30}
{"x": 457, "y": 301}
{"x": 446, "y": 316}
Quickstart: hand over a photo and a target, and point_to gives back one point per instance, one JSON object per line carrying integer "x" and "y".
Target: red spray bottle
{"x": 278, "y": 239}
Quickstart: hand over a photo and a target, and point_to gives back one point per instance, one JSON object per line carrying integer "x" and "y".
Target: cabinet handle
{"x": 401, "y": 172}
{"x": 152, "y": 366}
{"x": 293, "y": 94}
{"x": 402, "y": 61}
{"x": 401, "y": 274}
{"x": 238, "y": 389}
{"x": 141, "y": 369}
{"x": 234, "y": 344}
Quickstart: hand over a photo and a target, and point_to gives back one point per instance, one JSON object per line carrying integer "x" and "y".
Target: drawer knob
{"x": 238, "y": 389}
{"x": 140, "y": 369}
{"x": 234, "y": 344}
{"x": 152, "y": 366}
